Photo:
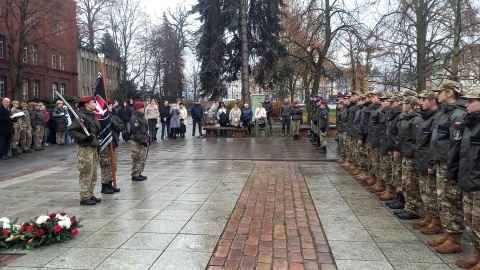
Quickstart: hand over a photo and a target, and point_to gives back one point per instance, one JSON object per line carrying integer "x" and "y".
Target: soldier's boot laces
{"x": 437, "y": 241}
{"x": 467, "y": 263}
{"x": 434, "y": 227}
{"x": 453, "y": 244}
{"x": 424, "y": 223}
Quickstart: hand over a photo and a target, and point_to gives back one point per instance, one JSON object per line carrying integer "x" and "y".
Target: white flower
{"x": 42, "y": 219}
{"x": 6, "y": 222}
{"x": 60, "y": 217}
{"x": 65, "y": 223}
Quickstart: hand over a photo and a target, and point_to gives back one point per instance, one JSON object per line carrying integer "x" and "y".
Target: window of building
{"x": 25, "y": 89}
{"x": 54, "y": 59}
{"x": 62, "y": 62}
{"x": 36, "y": 88}
{"x": 25, "y": 54}
{"x": 58, "y": 30}
{"x": 2, "y": 46}
{"x": 54, "y": 89}
{"x": 62, "y": 89}
{"x": 3, "y": 82}
{"x": 35, "y": 54}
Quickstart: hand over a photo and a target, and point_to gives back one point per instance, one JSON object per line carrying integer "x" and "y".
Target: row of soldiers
{"x": 413, "y": 150}
{"x": 320, "y": 123}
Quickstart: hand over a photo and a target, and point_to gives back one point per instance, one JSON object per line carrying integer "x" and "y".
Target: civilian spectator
{"x": 246, "y": 117}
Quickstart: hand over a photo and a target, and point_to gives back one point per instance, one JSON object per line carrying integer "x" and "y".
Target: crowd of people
{"x": 419, "y": 150}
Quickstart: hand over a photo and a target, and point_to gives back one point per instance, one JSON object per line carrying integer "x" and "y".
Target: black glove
{"x": 323, "y": 129}
{"x": 88, "y": 139}
{"x": 145, "y": 143}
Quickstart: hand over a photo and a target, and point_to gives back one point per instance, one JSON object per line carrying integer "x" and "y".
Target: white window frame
{"x": 2, "y": 46}
{"x": 3, "y": 82}
{"x": 25, "y": 89}
{"x": 36, "y": 88}
{"x": 54, "y": 59}
{"x": 62, "y": 89}
{"x": 25, "y": 54}
{"x": 62, "y": 62}
{"x": 54, "y": 88}
{"x": 34, "y": 54}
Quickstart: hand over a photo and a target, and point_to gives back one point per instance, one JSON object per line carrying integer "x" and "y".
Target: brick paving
{"x": 274, "y": 224}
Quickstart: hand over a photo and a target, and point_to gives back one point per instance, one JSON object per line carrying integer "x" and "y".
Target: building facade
{"x": 48, "y": 59}
{"x": 88, "y": 68}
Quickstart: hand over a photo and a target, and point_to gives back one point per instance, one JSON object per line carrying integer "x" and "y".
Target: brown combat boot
{"x": 356, "y": 171}
{"x": 433, "y": 228}
{"x": 424, "y": 223}
{"x": 452, "y": 245}
{"x": 476, "y": 267}
{"x": 363, "y": 176}
{"x": 437, "y": 241}
{"x": 372, "y": 181}
{"x": 341, "y": 160}
{"x": 390, "y": 195}
{"x": 467, "y": 263}
{"x": 381, "y": 186}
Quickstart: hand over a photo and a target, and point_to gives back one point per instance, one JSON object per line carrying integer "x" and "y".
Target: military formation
{"x": 85, "y": 131}
{"x": 419, "y": 152}
{"x": 320, "y": 123}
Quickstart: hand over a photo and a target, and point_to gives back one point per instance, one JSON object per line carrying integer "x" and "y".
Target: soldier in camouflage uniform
{"x": 358, "y": 149}
{"x": 323, "y": 126}
{"x": 140, "y": 141}
{"x": 339, "y": 128}
{"x": 428, "y": 192}
{"x": 406, "y": 148}
{"x": 26, "y": 130}
{"x": 373, "y": 142}
{"x": 313, "y": 110}
{"x": 385, "y": 172}
{"x": 17, "y": 127}
{"x": 38, "y": 124}
{"x": 116, "y": 126}
{"x": 448, "y": 191}
{"x": 464, "y": 166}
{"x": 87, "y": 149}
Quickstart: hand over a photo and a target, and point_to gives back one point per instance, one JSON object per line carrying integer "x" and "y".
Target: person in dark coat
{"x": 6, "y": 128}
{"x": 60, "y": 117}
{"x": 125, "y": 113}
{"x": 267, "y": 105}
{"x": 197, "y": 116}
{"x": 165, "y": 119}
{"x": 246, "y": 117}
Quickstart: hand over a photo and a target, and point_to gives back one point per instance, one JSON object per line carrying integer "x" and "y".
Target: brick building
{"x": 49, "y": 58}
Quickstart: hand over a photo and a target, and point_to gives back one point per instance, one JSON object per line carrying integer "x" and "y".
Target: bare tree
{"x": 90, "y": 18}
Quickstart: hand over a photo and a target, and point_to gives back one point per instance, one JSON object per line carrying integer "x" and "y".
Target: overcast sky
{"x": 157, "y": 7}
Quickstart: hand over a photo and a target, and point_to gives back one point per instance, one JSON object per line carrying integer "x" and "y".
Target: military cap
{"x": 109, "y": 102}
{"x": 361, "y": 96}
{"x": 138, "y": 105}
{"x": 368, "y": 94}
{"x": 410, "y": 93}
{"x": 411, "y": 100}
{"x": 395, "y": 98}
{"x": 340, "y": 102}
{"x": 382, "y": 95}
{"x": 353, "y": 93}
{"x": 449, "y": 84}
{"x": 428, "y": 94}
{"x": 324, "y": 103}
{"x": 387, "y": 95}
{"x": 86, "y": 99}
{"x": 472, "y": 94}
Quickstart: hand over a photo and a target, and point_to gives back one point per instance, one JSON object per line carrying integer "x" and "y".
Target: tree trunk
{"x": 244, "y": 40}
{"x": 457, "y": 34}
{"x": 421, "y": 64}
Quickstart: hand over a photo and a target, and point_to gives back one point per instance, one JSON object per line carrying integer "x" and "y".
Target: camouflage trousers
{"x": 26, "y": 137}
{"x": 106, "y": 164}
{"x": 38, "y": 139}
{"x": 450, "y": 198}
{"x": 323, "y": 138}
{"x": 372, "y": 160}
{"x": 341, "y": 143}
{"x": 397, "y": 172}
{"x": 410, "y": 188}
{"x": 347, "y": 143}
{"x": 16, "y": 136}
{"x": 361, "y": 155}
{"x": 87, "y": 162}
{"x": 295, "y": 124}
{"x": 138, "y": 158}
{"x": 60, "y": 137}
{"x": 428, "y": 193}
{"x": 386, "y": 168}
{"x": 471, "y": 210}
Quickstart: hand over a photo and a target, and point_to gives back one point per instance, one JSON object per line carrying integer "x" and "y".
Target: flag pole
{"x": 112, "y": 153}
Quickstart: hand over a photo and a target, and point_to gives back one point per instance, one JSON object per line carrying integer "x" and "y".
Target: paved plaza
{"x": 216, "y": 203}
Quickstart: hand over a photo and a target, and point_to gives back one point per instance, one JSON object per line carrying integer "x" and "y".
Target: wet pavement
{"x": 277, "y": 202}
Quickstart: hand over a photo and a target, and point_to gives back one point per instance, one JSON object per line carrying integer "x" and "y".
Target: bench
{"x": 211, "y": 131}
{"x": 303, "y": 133}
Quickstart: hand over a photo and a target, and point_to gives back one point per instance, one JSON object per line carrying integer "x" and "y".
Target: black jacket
{"x": 373, "y": 138}
{"x": 268, "y": 108}
{"x": 442, "y": 138}
{"x": 406, "y": 135}
{"x": 385, "y": 114}
{"x": 60, "y": 116}
{"x": 339, "y": 120}
{"x": 465, "y": 164}
{"x": 165, "y": 113}
{"x": 367, "y": 111}
{"x": 37, "y": 118}
{"x": 285, "y": 110}
{"x": 394, "y": 117}
{"x": 357, "y": 123}
{"x": 349, "y": 118}
{"x": 296, "y": 113}
{"x": 422, "y": 142}
{"x": 117, "y": 126}
{"x": 6, "y": 125}
{"x": 139, "y": 128}
{"x": 196, "y": 111}
{"x": 92, "y": 124}
{"x": 124, "y": 113}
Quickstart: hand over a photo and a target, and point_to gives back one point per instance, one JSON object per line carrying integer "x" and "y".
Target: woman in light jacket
{"x": 260, "y": 114}
{"x": 234, "y": 117}
{"x": 174, "y": 120}
{"x": 152, "y": 114}
{"x": 183, "y": 120}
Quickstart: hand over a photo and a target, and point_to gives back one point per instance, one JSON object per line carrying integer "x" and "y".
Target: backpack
{"x": 223, "y": 118}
